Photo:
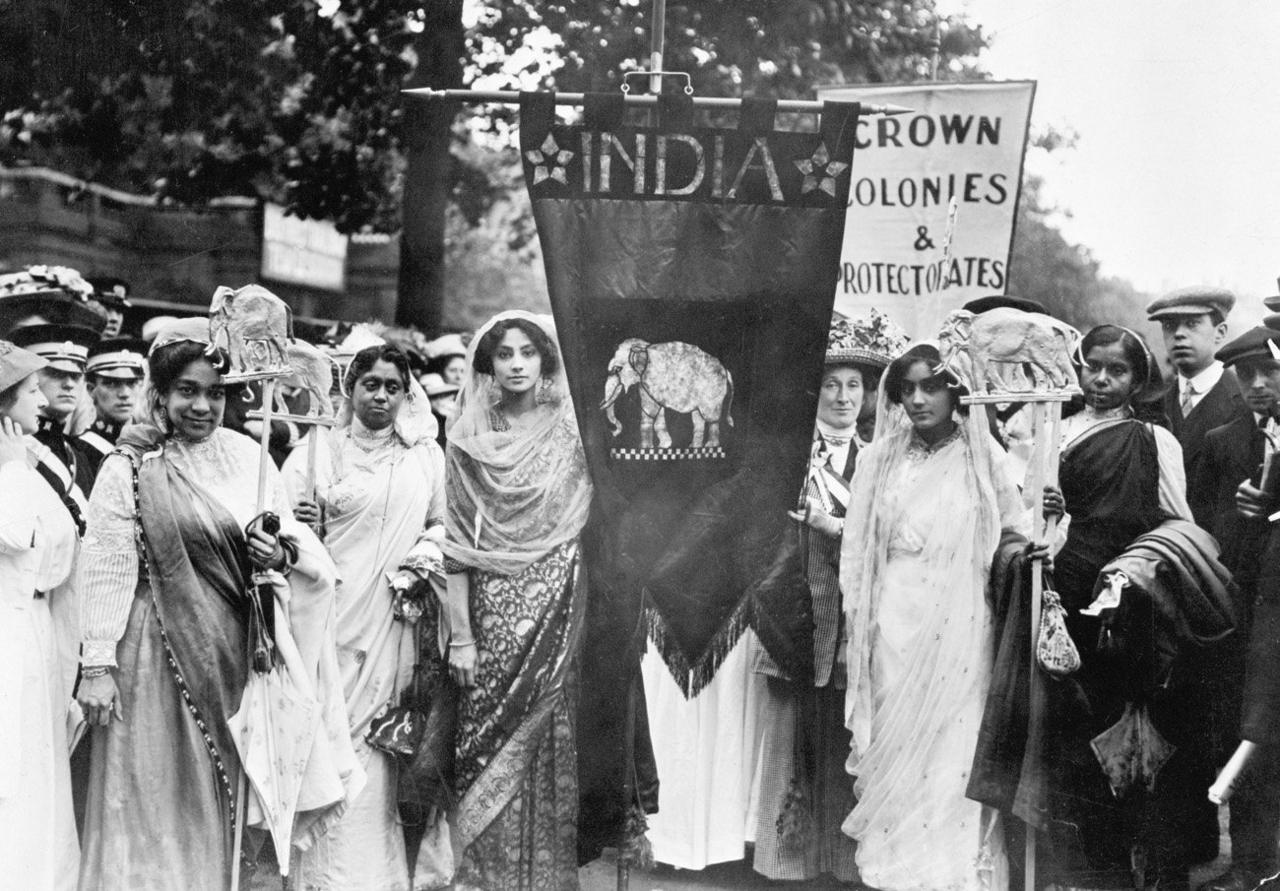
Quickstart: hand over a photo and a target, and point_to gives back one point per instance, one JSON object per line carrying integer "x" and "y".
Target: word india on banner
{"x": 690, "y": 272}
{"x": 962, "y": 141}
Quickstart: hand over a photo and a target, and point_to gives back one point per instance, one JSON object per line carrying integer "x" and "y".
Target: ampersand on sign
{"x": 923, "y": 241}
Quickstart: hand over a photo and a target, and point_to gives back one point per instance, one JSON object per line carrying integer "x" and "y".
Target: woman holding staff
{"x": 518, "y": 496}
{"x": 930, "y": 498}
{"x": 173, "y": 535}
{"x": 1127, "y": 756}
{"x": 380, "y": 506}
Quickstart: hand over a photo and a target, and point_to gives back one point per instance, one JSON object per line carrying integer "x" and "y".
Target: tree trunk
{"x": 428, "y": 173}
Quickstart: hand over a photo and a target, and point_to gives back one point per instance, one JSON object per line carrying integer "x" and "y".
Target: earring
{"x": 543, "y": 394}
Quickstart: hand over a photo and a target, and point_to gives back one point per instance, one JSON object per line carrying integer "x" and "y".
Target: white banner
{"x": 961, "y": 141}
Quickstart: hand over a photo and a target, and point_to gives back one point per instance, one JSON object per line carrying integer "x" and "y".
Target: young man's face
{"x": 1260, "y": 383}
{"x": 1191, "y": 341}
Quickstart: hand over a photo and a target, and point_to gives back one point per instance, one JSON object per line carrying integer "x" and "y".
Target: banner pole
{"x": 644, "y": 100}
{"x": 657, "y": 43}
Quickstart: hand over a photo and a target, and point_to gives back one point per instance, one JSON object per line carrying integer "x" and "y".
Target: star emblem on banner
{"x": 549, "y": 161}
{"x": 820, "y": 171}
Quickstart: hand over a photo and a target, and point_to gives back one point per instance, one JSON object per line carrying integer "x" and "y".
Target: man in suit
{"x": 1228, "y": 469}
{"x": 1206, "y": 395}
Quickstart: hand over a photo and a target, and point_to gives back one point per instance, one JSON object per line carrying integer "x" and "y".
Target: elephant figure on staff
{"x": 253, "y": 325}
{"x": 676, "y": 376}
{"x": 312, "y": 370}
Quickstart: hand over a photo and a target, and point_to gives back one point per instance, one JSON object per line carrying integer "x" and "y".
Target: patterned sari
{"x": 517, "y": 500}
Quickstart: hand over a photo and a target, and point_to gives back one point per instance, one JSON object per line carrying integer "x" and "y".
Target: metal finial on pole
{"x": 935, "y": 45}
{"x": 657, "y": 43}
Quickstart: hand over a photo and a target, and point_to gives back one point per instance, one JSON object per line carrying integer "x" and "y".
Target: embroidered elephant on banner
{"x": 676, "y": 376}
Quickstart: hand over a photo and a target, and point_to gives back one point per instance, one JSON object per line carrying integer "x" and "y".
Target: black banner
{"x": 692, "y": 272}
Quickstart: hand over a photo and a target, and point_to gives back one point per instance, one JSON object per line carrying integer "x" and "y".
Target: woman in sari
{"x": 1123, "y": 480}
{"x": 930, "y": 498}
{"x": 172, "y": 634}
{"x": 38, "y": 843}
{"x": 379, "y": 501}
{"x": 518, "y": 495}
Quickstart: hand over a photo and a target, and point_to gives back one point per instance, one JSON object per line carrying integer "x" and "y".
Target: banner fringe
{"x": 692, "y": 677}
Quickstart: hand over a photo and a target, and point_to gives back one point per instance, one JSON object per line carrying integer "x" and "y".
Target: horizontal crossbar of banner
{"x": 643, "y": 100}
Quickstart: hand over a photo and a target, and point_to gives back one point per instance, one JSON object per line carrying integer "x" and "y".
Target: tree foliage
{"x": 298, "y": 100}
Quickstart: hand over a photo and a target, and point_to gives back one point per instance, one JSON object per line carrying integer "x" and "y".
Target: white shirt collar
{"x": 1204, "y": 381}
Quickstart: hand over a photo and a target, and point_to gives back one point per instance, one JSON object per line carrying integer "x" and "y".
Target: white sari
{"x": 924, "y": 524}
{"x": 383, "y": 502}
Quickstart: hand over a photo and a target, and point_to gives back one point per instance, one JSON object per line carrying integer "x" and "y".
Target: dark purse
{"x": 397, "y": 729}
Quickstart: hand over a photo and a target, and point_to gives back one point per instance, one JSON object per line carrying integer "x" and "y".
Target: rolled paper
{"x": 1220, "y": 792}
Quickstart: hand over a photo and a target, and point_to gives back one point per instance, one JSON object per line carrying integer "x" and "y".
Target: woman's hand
{"x": 265, "y": 550}
{"x": 1054, "y": 504}
{"x": 1040, "y": 552}
{"x": 463, "y": 657}
{"x": 815, "y": 517}
{"x": 99, "y": 699}
{"x": 307, "y": 512}
{"x": 1251, "y": 501}
{"x": 12, "y": 445}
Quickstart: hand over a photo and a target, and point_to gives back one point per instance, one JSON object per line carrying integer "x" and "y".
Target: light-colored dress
{"x": 920, "y": 654}
{"x": 164, "y": 780}
{"x": 383, "y": 505}
{"x": 705, "y": 750}
{"x": 38, "y": 540}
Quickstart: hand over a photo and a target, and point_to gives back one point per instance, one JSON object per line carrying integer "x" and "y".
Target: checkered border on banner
{"x": 703, "y": 453}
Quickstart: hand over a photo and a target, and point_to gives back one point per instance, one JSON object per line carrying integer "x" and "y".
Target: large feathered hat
{"x": 873, "y": 339}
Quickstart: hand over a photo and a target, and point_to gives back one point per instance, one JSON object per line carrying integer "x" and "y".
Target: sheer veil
{"x": 513, "y": 494}
{"x": 963, "y": 550}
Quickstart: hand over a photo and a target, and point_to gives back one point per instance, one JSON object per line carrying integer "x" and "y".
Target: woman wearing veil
{"x": 518, "y": 496}
{"x": 930, "y": 497}
{"x": 379, "y": 504}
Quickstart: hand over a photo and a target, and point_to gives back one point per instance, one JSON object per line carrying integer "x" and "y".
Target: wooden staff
{"x": 1043, "y": 472}
{"x": 1046, "y": 419}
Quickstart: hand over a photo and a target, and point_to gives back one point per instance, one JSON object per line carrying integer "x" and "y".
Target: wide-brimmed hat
{"x": 435, "y": 385}
{"x": 16, "y": 364}
{"x": 979, "y": 305}
{"x": 446, "y": 345}
{"x": 873, "y": 339}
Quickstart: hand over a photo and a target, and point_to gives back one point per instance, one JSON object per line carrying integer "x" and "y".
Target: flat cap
{"x": 1192, "y": 301}
{"x": 998, "y": 301}
{"x": 1262, "y": 342}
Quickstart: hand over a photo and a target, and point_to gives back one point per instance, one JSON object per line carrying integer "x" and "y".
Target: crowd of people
{"x": 384, "y": 621}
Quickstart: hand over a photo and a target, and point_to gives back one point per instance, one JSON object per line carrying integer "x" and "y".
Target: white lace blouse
{"x": 225, "y": 466}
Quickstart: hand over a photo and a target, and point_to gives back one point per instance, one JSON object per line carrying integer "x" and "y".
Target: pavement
{"x": 602, "y": 875}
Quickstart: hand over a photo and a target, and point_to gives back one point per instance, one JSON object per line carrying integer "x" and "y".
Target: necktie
{"x": 1188, "y": 393}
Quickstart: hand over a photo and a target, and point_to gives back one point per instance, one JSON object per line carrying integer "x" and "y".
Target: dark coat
{"x": 1219, "y": 406}
{"x": 1229, "y": 455}
{"x": 1260, "y": 714}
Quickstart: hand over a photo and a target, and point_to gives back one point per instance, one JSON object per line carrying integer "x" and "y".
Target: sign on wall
{"x": 962, "y": 141}
{"x": 302, "y": 252}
